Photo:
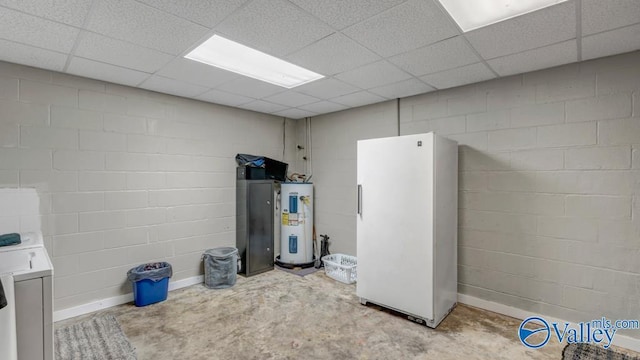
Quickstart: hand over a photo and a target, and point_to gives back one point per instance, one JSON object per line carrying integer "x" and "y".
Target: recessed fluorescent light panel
{"x": 473, "y": 14}
{"x": 229, "y": 55}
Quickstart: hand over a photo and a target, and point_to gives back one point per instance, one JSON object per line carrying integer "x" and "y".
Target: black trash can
{"x": 150, "y": 282}
{"x": 220, "y": 267}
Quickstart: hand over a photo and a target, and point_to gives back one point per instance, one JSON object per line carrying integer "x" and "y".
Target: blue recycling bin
{"x": 150, "y": 282}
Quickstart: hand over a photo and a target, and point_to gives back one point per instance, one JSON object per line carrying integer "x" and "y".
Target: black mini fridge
{"x": 255, "y": 225}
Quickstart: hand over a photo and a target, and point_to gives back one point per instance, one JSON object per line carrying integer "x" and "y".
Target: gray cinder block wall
{"x": 549, "y": 179}
{"x": 125, "y": 176}
{"x": 334, "y": 138}
{"x": 549, "y": 199}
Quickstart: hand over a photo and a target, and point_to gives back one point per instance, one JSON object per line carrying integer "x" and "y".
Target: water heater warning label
{"x": 289, "y": 219}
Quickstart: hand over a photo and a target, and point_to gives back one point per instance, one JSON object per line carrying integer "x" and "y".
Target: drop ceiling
{"x": 370, "y": 51}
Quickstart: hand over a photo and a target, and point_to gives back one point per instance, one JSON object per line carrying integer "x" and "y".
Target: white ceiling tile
{"x": 611, "y": 42}
{"x": 533, "y": 30}
{"x": 263, "y": 106}
{"x": 446, "y": 54}
{"x": 224, "y": 98}
{"x": 197, "y": 73}
{"x": 101, "y": 71}
{"x": 323, "y": 107}
{"x": 204, "y": 12}
{"x": 291, "y": 98}
{"x": 173, "y": 87}
{"x": 408, "y": 26}
{"x": 358, "y": 99}
{"x": 72, "y": 12}
{"x": 116, "y": 52}
{"x": 143, "y": 25}
{"x": 295, "y": 113}
{"x": 541, "y": 58}
{"x": 461, "y": 76}
{"x": 31, "y": 30}
{"x": 135, "y": 42}
{"x": 327, "y": 88}
{"x": 602, "y": 15}
{"x": 334, "y": 54}
{"x": 32, "y": 56}
{"x": 402, "y": 89}
{"x": 373, "y": 75}
{"x": 340, "y": 13}
{"x": 253, "y": 88}
{"x": 276, "y": 27}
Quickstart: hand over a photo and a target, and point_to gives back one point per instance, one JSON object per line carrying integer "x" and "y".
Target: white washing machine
{"x": 8, "y": 343}
{"x": 29, "y": 265}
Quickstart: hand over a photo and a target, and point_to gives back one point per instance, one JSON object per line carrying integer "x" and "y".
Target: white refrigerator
{"x": 407, "y": 225}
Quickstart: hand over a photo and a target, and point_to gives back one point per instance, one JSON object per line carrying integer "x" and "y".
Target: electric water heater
{"x": 296, "y": 235}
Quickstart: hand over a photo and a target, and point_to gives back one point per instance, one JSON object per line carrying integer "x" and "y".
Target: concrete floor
{"x": 277, "y": 315}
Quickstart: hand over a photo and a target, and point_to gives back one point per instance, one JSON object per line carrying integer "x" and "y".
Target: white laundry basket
{"x": 341, "y": 267}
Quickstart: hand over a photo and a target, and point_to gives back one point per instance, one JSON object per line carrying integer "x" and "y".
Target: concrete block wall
{"x": 20, "y": 211}
{"x": 334, "y": 137}
{"x": 549, "y": 186}
{"x": 124, "y": 176}
{"x": 549, "y": 183}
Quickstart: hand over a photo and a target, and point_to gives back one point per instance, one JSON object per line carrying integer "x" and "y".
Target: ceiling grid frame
{"x": 603, "y": 21}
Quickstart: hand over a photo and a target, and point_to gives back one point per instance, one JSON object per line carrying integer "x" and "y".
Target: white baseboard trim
{"x": 186, "y": 282}
{"x": 117, "y": 300}
{"x": 624, "y": 341}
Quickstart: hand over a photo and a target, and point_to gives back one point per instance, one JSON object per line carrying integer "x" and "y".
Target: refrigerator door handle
{"x": 359, "y": 199}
